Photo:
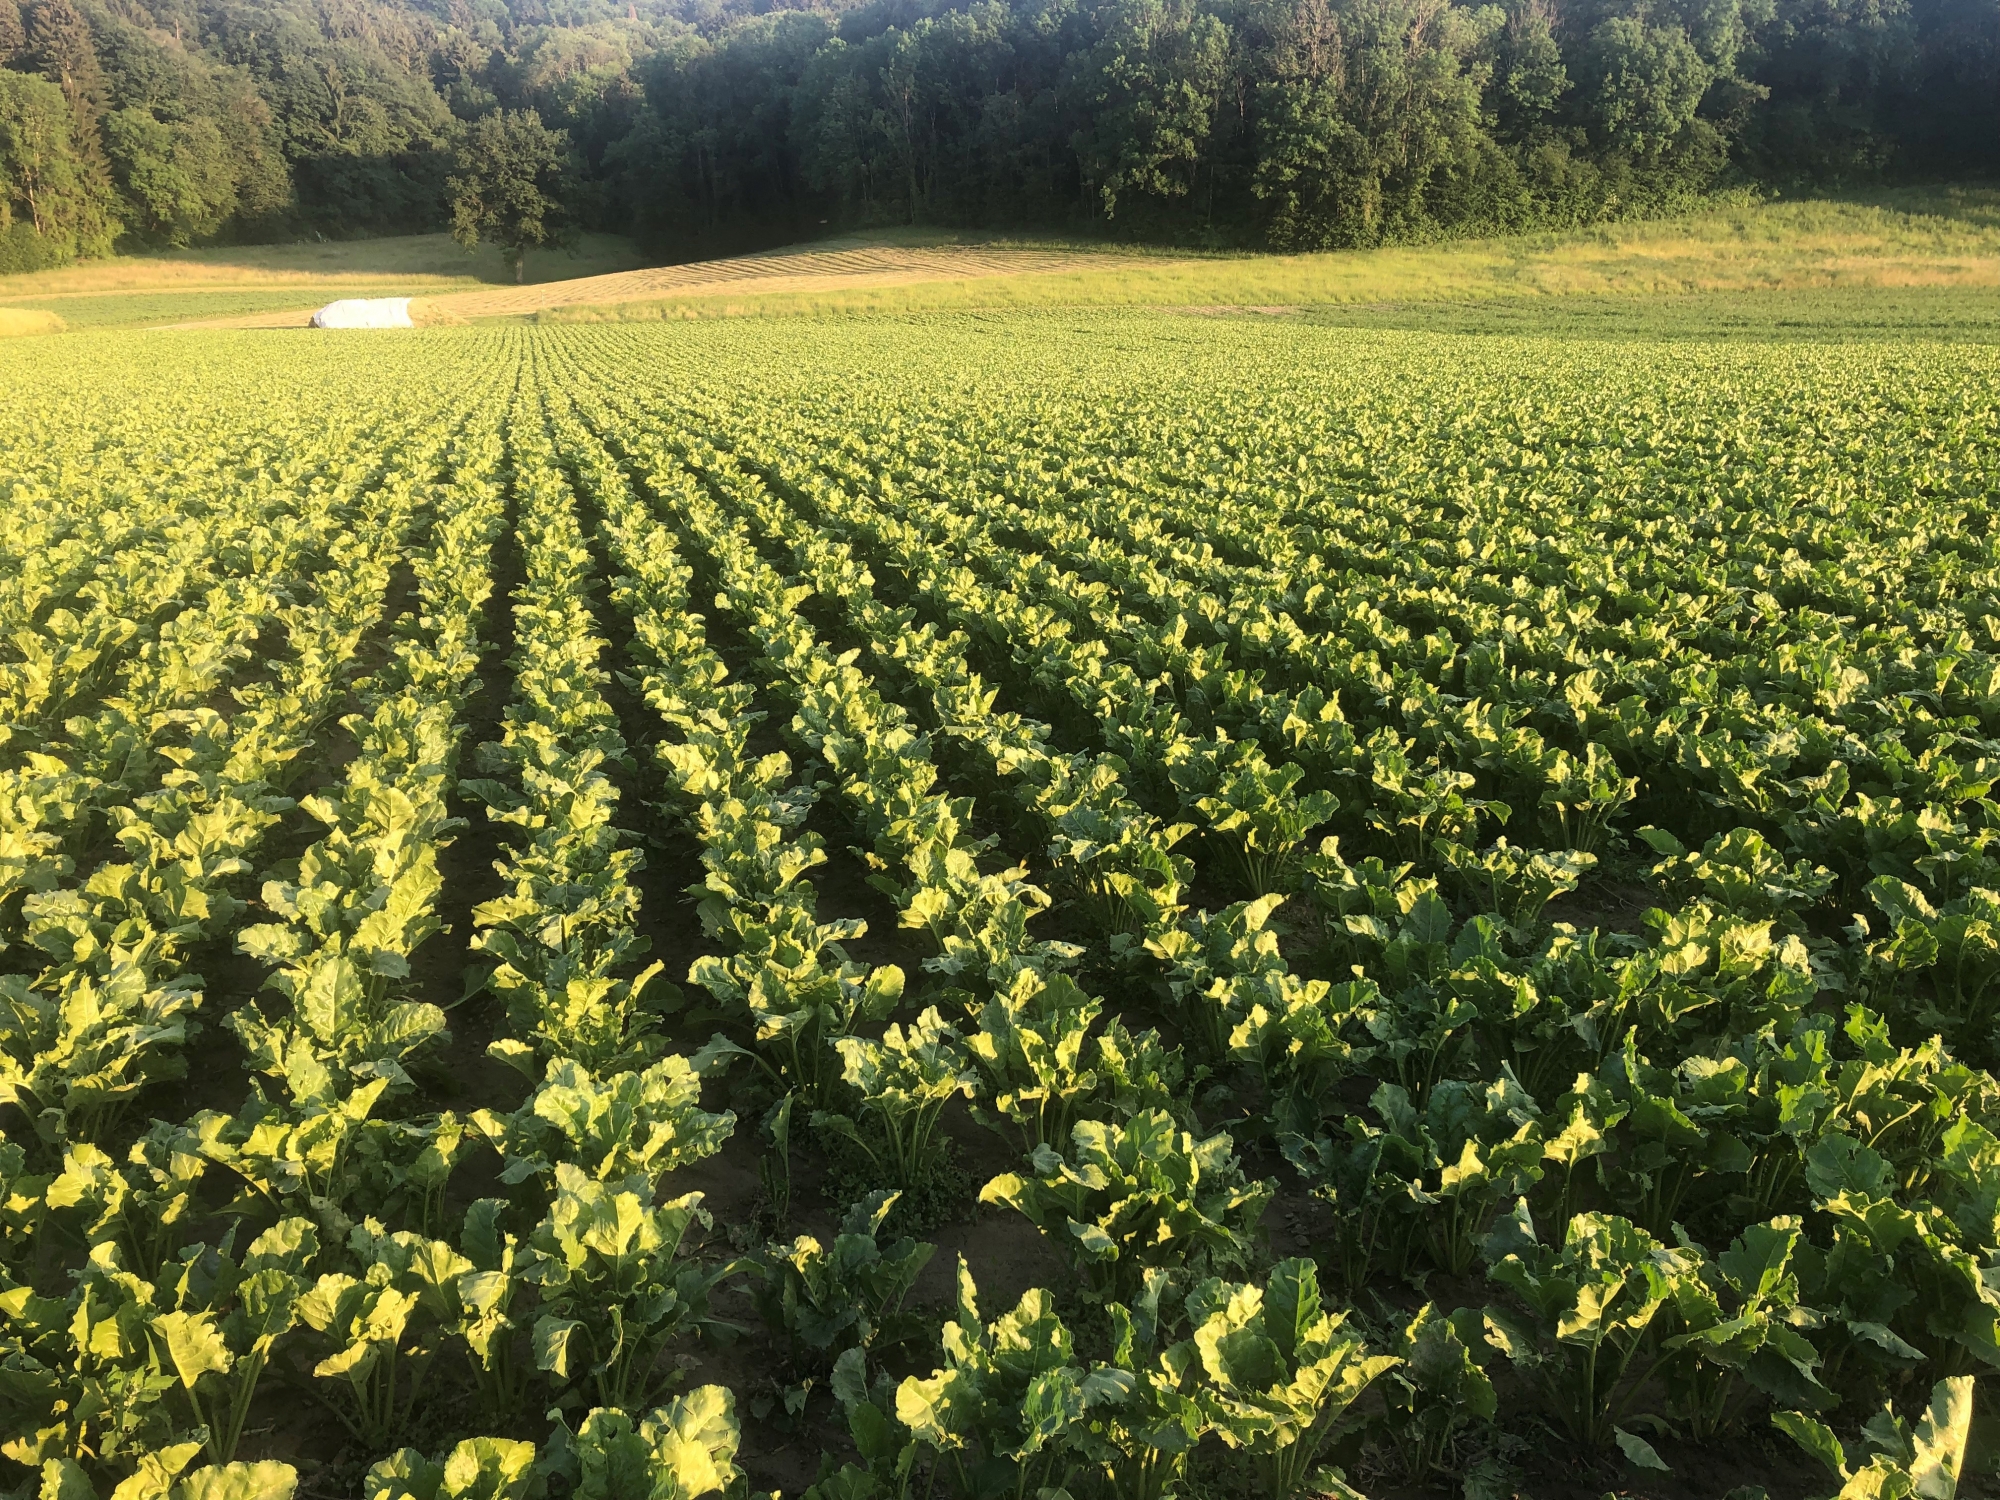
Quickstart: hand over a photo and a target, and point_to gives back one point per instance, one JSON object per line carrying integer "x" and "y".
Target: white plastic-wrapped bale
{"x": 365, "y": 312}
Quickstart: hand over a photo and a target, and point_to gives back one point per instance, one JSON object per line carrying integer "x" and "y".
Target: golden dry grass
{"x": 797, "y": 270}
{"x": 17, "y": 321}
{"x": 1752, "y": 248}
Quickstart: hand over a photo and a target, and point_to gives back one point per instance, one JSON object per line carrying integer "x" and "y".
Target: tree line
{"x": 706, "y": 125}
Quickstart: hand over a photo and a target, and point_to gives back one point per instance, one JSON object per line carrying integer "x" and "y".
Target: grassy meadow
{"x": 1912, "y": 263}
{"x": 1942, "y": 242}
{"x": 140, "y": 290}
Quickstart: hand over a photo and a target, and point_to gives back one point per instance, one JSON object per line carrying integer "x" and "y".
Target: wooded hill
{"x": 708, "y": 125}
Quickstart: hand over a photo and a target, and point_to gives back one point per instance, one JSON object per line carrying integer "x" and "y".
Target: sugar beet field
{"x": 1080, "y": 905}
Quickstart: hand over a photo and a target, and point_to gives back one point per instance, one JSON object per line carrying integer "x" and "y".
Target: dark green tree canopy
{"x": 510, "y": 184}
{"x": 54, "y": 208}
{"x": 709, "y": 125}
{"x": 62, "y": 45}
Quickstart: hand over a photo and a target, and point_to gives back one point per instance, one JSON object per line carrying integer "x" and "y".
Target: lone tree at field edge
{"x": 508, "y": 186}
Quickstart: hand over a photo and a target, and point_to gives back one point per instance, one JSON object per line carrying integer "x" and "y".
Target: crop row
{"x": 1542, "y": 848}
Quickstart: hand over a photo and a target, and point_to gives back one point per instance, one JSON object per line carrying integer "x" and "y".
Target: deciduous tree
{"x": 42, "y": 178}
{"x": 13, "y": 34}
{"x": 509, "y": 185}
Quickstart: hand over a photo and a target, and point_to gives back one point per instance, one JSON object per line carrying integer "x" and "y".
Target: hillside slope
{"x": 1937, "y": 248}
{"x": 1950, "y": 240}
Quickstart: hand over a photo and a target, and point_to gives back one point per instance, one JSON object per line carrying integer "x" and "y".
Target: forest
{"x": 708, "y": 126}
